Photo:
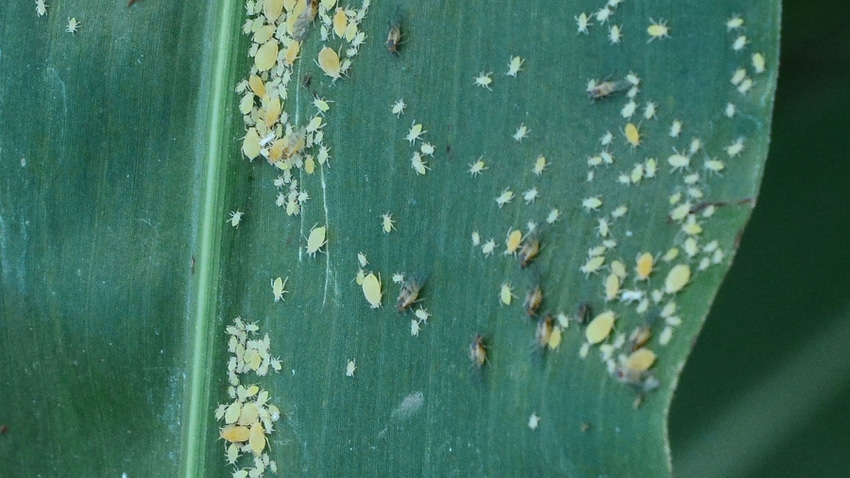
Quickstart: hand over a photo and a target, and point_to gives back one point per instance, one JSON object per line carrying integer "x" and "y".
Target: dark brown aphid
{"x": 3, "y": 429}
{"x": 410, "y": 291}
{"x": 532, "y": 301}
{"x": 585, "y": 311}
{"x": 605, "y": 89}
{"x": 639, "y": 337}
{"x": 529, "y": 250}
{"x": 478, "y": 351}
{"x": 544, "y": 332}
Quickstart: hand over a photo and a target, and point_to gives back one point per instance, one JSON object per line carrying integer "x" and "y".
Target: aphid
{"x": 530, "y": 195}
{"x": 488, "y": 247}
{"x": 504, "y": 198}
{"x": 328, "y": 61}
{"x": 730, "y": 110}
{"x": 602, "y": 228}
{"x": 612, "y": 286}
{"x": 553, "y": 216}
{"x": 632, "y": 135}
{"x": 529, "y": 250}
{"x": 583, "y": 313}
{"x": 422, "y": 315}
{"x": 418, "y": 164}
{"x": 278, "y": 288}
{"x": 478, "y": 351}
{"x": 657, "y": 30}
{"x": 714, "y": 165}
{"x": 398, "y": 107}
{"x": 600, "y": 327}
{"x": 235, "y": 218}
{"x": 476, "y": 167}
{"x": 615, "y": 34}
{"x": 414, "y": 328}
{"x": 340, "y": 22}
{"x": 745, "y": 86}
{"x": 554, "y": 338}
{"x": 350, "y": 367}
{"x": 506, "y": 293}
{"x": 677, "y": 278}
{"x": 592, "y": 265}
{"x": 521, "y": 133}
{"x": 540, "y": 165}
{"x": 513, "y": 241}
{"x": 483, "y": 80}
{"x": 603, "y": 14}
{"x": 387, "y": 223}
{"x": 629, "y": 109}
{"x": 758, "y": 62}
{"x": 532, "y": 301}
{"x": 372, "y": 290}
{"x": 619, "y": 212}
{"x": 680, "y": 212}
{"x": 321, "y": 104}
{"x": 606, "y": 138}
{"x": 649, "y": 110}
{"x": 257, "y": 438}
{"x": 651, "y": 167}
{"x": 476, "y": 238}
{"x": 679, "y": 161}
{"x": 427, "y": 149}
{"x": 675, "y": 129}
{"x": 398, "y": 278}
{"x": 592, "y": 203}
{"x": 266, "y": 55}
{"x": 41, "y": 7}
{"x": 316, "y": 240}
{"x": 73, "y": 25}
{"x": 410, "y": 291}
{"x": 515, "y": 65}
{"x": 735, "y": 148}
{"x": 740, "y": 43}
{"x": 235, "y": 433}
{"x": 582, "y": 22}
{"x": 543, "y": 333}
{"x": 738, "y": 76}
{"x": 734, "y": 23}
{"x": 415, "y": 133}
{"x": 645, "y": 263}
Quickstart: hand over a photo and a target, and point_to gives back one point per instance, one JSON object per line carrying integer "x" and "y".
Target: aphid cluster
{"x": 250, "y": 416}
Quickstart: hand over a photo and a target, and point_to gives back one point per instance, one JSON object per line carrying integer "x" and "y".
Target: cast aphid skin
{"x": 387, "y": 223}
{"x": 488, "y": 247}
{"x": 740, "y": 43}
{"x": 521, "y": 133}
{"x": 582, "y": 22}
{"x": 644, "y": 265}
{"x": 600, "y": 327}
{"x": 534, "y": 419}
{"x": 529, "y": 250}
{"x": 515, "y": 65}
{"x": 592, "y": 203}
{"x": 372, "y": 290}
{"x": 657, "y": 30}
{"x": 603, "y": 14}
{"x": 629, "y": 109}
{"x": 350, "y": 367}
{"x": 478, "y": 351}
{"x": 530, "y": 195}
{"x": 553, "y": 216}
{"x": 398, "y": 107}
{"x": 734, "y": 23}
{"x": 483, "y": 80}
{"x": 632, "y": 135}
{"x": 40, "y": 8}
{"x": 410, "y": 291}
{"x": 543, "y": 332}
{"x": 504, "y": 198}
{"x": 398, "y": 278}
{"x": 328, "y": 61}
{"x": 506, "y": 294}
{"x": 415, "y": 133}
{"x": 73, "y": 25}
{"x": 278, "y": 288}
{"x": 476, "y": 238}
{"x": 235, "y": 218}
{"x": 513, "y": 241}
{"x": 476, "y": 167}
{"x": 532, "y": 301}
{"x": 615, "y": 34}
{"x": 603, "y": 90}
{"x": 316, "y": 240}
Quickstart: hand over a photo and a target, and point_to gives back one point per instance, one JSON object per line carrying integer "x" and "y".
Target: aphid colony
{"x": 250, "y": 417}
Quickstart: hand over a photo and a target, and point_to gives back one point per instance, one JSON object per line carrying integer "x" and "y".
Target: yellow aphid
{"x": 321, "y": 104}
{"x": 513, "y": 241}
{"x": 612, "y": 287}
{"x": 314, "y": 124}
{"x": 350, "y": 367}
{"x": 544, "y": 331}
{"x": 643, "y": 269}
{"x": 532, "y": 301}
{"x": 504, "y": 198}
{"x": 651, "y": 167}
{"x": 553, "y": 216}
{"x": 409, "y": 291}
{"x": 340, "y": 22}
{"x": 657, "y": 30}
{"x": 272, "y": 9}
{"x": 476, "y": 167}
{"x": 540, "y": 165}
{"x": 592, "y": 203}
{"x": 600, "y": 327}
{"x": 278, "y": 288}
{"x": 671, "y": 254}
{"x": 592, "y": 265}
{"x": 529, "y": 250}
{"x": 251, "y": 144}
{"x": 555, "y": 338}
{"x": 372, "y": 290}
{"x": 328, "y": 61}
{"x": 235, "y": 433}
{"x": 415, "y": 132}
{"x": 483, "y": 80}
{"x": 714, "y": 165}
{"x": 257, "y": 439}
{"x": 351, "y": 31}
{"x": 506, "y": 294}
{"x": 272, "y": 113}
{"x": 618, "y": 269}
{"x": 257, "y": 85}
{"x": 292, "y": 52}
{"x": 740, "y": 43}
{"x": 515, "y": 65}
{"x": 758, "y": 62}
{"x": 422, "y": 315}
{"x": 73, "y": 26}
{"x": 263, "y": 35}
{"x": 361, "y": 276}
{"x": 246, "y": 104}
{"x": 250, "y": 413}
{"x": 641, "y": 360}
{"x": 691, "y": 247}
{"x": 632, "y": 135}
{"x": 677, "y": 278}
{"x": 235, "y": 218}
{"x": 478, "y": 351}
{"x": 680, "y": 212}
{"x": 733, "y": 23}
{"x": 427, "y": 149}
{"x": 266, "y": 55}
{"x": 232, "y": 413}
{"x": 316, "y": 240}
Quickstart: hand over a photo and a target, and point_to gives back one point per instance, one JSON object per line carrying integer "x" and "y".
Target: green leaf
{"x": 120, "y": 158}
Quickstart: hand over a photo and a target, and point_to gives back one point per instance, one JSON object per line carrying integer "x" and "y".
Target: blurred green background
{"x": 766, "y": 391}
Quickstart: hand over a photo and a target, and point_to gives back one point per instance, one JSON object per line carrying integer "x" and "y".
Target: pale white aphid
{"x": 675, "y": 129}
{"x": 476, "y": 238}
{"x": 592, "y": 203}
{"x": 316, "y": 240}
{"x": 73, "y": 25}
{"x": 321, "y": 104}
{"x": 738, "y": 76}
{"x": 540, "y": 165}
{"x": 398, "y": 278}
{"x": 504, "y": 198}
{"x": 553, "y": 216}
{"x": 734, "y": 23}
{"x": 649, "y": 110}
{"x": 602, "y": 228}
{"x": 414, "y": 328}
{"x": 483, "y": 80}
{"x": 633, "y": 79}
{"x": 615, "y": 34}
{"x": 515, "y": 65}
{"x": 534, "y": 419}
{"x": 582, "y": 22}
{"x": 745, "y": 86}
{"x": 602, "y": 15}
{"x": 735, "y": 148}
{"x": 730, "y": 110}
{"x": 427, "y": 149}
{"x": 740, "y": 43}
{"x": 387, "y": 223}
{"x": 361, "y": 259}
{"x": 476, "y": 167}
{"x": 606, "y": 138}
{"x": 422, "y": 315}
{"x": 40, "y": 8}
{"x": 657, "y": 30}
{"x": 418, "y": 164}
{"x": 531, "y": 195}
{"x": 506, "y": 293}
{"x": 758, "y": 62}
{"x": 619, "y": 212}
{"x": 521, "y": 132}
{"x": 398, "y": 107}
{"x": 488, "y": 247}
{"x": 278, "y": 288}
{"x": 650, "y": 167}
{"x": 415, "y": 133}
{"x": 629, "y": 109}
{"x": 350, "y": 367}
{"x": 235, "y": 218}
{"x": 592, "y": 265}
